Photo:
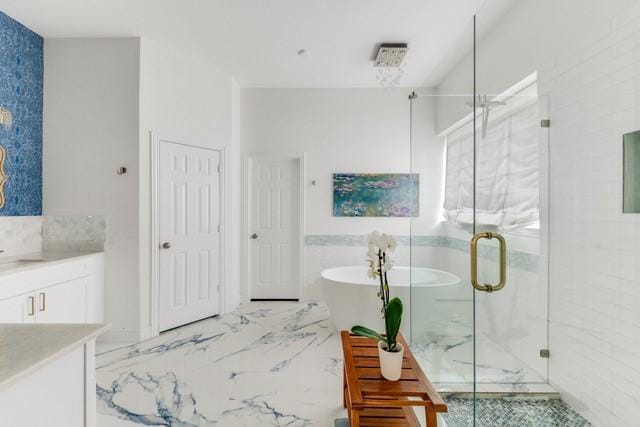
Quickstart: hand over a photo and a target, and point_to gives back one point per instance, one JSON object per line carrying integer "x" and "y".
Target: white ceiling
{"x": 257, "y": 40}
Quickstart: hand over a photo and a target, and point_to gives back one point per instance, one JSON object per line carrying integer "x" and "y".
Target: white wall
{"x": 233, "y": 295}
{"x": 103, "y": 97}
{"x": 190, "y": 101}
{"x": 427, "y": 154}
{"x": 342, "y": 130}
{"x": 90, "y": 130}
{"x": 587, "y": 54}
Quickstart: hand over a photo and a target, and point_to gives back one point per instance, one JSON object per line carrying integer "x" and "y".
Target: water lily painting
{"x": 385, "y": 195}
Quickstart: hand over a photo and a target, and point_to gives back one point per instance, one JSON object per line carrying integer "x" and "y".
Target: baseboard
{"x": 231, "y": 303}
{"x": 313, "y": 294}
{"x": 120, "y": 337}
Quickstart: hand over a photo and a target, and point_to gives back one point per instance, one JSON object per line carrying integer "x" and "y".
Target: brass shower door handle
{"x": 474, "y": 262}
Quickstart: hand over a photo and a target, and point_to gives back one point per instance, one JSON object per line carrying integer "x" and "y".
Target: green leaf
{"x": 392, "y": 321}
{"x": 366, "y": 332}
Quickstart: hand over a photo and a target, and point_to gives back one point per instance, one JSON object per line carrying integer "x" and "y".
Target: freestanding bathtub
{"x": 352, "y": 296}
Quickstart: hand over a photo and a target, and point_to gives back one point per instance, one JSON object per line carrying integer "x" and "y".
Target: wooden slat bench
{"x": 373, "y": 401}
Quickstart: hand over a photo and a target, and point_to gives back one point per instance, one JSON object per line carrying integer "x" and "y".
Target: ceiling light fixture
{"x": 390, "y": 62}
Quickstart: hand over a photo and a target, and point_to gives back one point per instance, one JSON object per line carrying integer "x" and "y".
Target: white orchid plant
{"x": 380, "y": 263}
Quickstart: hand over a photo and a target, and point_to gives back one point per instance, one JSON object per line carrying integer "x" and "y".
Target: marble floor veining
{"x": 276, "y": 364}
{"x": 445, "y": 346}
{"x": 265, "y": 364}
{"x": 451, "y": 367}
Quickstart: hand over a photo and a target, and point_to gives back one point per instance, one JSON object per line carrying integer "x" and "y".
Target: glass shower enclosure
{"x": 482, "y": 159}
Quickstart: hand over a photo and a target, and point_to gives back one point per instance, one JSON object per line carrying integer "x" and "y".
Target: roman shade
{"x": 507, "y": 170}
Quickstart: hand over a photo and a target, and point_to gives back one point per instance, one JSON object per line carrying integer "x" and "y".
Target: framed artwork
{"x": 376, "y": 195}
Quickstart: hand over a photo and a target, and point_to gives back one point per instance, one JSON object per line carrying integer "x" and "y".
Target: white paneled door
{"x": 274, "y": 228}
{"x": 189, "y": 234}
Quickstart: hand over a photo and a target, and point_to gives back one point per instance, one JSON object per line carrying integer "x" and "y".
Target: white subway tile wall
{"x": 595, "y": 249}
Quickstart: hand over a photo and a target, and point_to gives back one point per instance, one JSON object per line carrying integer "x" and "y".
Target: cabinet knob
{"x": 254, "y": 236}
{"x": 166, "y": 245}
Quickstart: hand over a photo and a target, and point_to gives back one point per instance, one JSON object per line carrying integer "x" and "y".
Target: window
{"x": 507, "y": 169}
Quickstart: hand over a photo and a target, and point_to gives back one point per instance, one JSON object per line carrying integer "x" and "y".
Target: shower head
{"x": 486, "y": 104}
{"x": 484, "y": 101}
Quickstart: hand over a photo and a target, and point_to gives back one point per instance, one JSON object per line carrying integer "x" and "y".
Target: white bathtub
{"x": 352, "y": 299}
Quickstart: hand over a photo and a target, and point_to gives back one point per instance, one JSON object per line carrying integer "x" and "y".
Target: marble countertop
{"x": 17, "y": 263}
{"x": 24, "y": 348}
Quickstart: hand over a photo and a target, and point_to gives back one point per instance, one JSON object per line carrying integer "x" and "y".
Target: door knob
{"x": 166, "y": 245}
{"x": 254, "y": 236}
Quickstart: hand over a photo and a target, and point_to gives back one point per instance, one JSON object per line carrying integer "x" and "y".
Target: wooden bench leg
{"x": 432, "y": 417}
{"x": 344, "y": 397}
{"x": 354, "y": 419}
{"x": 344, "y": 388}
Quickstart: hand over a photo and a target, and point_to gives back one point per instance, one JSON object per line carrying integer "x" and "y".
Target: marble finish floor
{"x": 449, "y": 362}
{"x": 275, "y": 364}
{"x": 265, "y": 364}
{"x": 444, "y": 345}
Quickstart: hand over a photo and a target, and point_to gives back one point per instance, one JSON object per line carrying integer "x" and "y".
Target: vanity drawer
{"x": 48, "y": 274}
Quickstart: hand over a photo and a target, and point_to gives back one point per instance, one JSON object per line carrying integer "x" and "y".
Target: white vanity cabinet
{"x": 67, "y": 290}
{"x": 63, "y": 303}
{"x": 47, "y": 379}
{"x": 13, "y": 310}
{"x": 50, "y": 316}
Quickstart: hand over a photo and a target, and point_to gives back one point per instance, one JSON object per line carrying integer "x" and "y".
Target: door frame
{"x": 246, "y": 252}
{"x": 154, "y": 306}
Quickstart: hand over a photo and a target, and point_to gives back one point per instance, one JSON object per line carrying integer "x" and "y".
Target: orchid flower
{"x": 380, "y": 263}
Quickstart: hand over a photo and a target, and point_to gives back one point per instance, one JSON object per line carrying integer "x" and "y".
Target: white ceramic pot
{"x": 390, "y": 363}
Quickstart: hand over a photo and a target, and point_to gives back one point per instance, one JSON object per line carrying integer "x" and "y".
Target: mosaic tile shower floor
{"x": 513, "y": 413}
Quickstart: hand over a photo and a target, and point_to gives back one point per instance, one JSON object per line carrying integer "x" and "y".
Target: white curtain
{"x": 507, "y": 171}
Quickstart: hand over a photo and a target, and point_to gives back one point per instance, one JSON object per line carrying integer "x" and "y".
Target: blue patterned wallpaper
{"x": 21, "y": 72}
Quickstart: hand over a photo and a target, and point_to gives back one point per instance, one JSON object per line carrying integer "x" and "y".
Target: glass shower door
{"x": 478, "y": 249}
{"x": 479, "y": 285}
{"x": 442, "y": 299}
{"x": 511, "y": 200}
{"x": 509, "y": 246}
{"x": 479, "y": 288}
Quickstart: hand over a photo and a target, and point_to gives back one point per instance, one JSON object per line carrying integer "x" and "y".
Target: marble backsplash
{"x": 74, "y": 233}
{"x": 28, "y": 234}
{"x": 20, "y": 234}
